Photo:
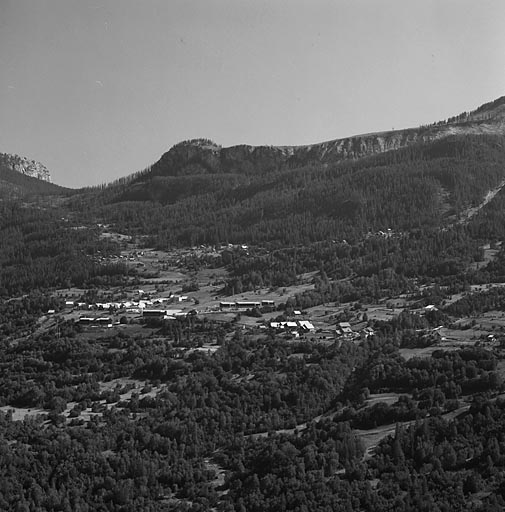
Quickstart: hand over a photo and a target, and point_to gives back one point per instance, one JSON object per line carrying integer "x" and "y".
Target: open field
{"x": 491, "y": 320}
{"x": 489, "y": 255}
{"x": 371, "y": 438}
{"x": 381, "y": 312}
{"x": 460, "y": 336}
{"x": 474, "y": 288}
{"x": 388, "y": 398}
{"x": 21, "y": 413}
{"x": 115, "y": 237}
{"x": 451, "y": 339}
{"x": 409, "y": 353}
{"x": 500, "y": 368}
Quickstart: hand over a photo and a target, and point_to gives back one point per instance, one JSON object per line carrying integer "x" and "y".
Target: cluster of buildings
{"x": 130, "y": 306}
{"x": 343, "y": 330}
{"x": 167, "y": 314}
{"x": 153, "y": 307}
{"x": 294, "y": 327}
{"x": 165, "y": 308}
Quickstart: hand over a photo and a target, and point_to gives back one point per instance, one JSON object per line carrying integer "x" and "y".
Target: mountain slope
{"x": 421, "y": 186}
{"x": 199, "y": 192}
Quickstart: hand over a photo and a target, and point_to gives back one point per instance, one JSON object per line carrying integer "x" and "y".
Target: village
{"x": 168, "y": 287}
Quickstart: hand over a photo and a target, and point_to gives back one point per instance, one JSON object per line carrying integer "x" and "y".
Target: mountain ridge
{"x": 201, "y": 156}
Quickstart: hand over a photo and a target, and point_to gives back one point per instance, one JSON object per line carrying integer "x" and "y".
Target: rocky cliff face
{"x": 203, "y": 156}
{"x": 25, "y": 166}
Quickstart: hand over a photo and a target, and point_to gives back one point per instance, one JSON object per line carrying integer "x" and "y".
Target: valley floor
{"x": 171, "y": 366}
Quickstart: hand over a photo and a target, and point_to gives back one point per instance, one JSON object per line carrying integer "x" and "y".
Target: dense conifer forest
{"x": 419, "y": 187}
{"x": 153, "y": 453}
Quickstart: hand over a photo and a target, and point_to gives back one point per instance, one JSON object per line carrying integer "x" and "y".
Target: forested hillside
{"x": 40, "y": 249}
{"x": 422, "y": 186}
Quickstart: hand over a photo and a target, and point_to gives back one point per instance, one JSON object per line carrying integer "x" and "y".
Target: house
{"x": 306, "y": 325}
{"x": 268, "y": 303}
{"x": 179, "y": 298}
{"x": 176, "y": 312}
{"x": 227, "y": 305}
{"x": 104, "y": 305}
{"x": 247, "y": 305}
{"x": 165, "y": 314}
{"x": 345, "y": 331}
{"x": 104, "y": 321}
{"x": 344, "y": 328}
{"x": 367, "y": 332}
{"x": 162, "y": 299}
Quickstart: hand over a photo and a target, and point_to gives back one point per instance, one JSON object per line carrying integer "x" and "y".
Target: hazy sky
{"x": 97, "y": 89}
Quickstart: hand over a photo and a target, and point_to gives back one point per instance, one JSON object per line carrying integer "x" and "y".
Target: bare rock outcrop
{"x": 25, "y": 166}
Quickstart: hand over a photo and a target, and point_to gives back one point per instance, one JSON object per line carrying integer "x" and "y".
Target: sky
{"x": 98, "y": 89}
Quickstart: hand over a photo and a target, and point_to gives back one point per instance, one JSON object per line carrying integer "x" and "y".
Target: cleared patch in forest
{"x": 371, "y": 438}
{"x": 387, "y": 398}
{"x": 409, "y": 353}
{"x": 21, "y": 413}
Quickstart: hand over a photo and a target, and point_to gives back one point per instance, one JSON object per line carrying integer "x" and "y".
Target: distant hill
{"x": 199, "y": 192}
